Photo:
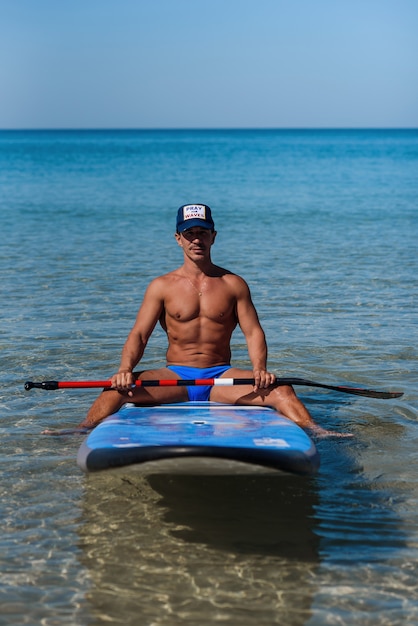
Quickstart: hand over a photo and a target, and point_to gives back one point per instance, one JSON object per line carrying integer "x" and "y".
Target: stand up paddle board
{"x": 198, "y": 437}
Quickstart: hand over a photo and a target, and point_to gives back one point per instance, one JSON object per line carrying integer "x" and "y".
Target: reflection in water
{"x": 357, "y": 516}
{"x": 193, "y": 549}
{"x": 367, "y": 574}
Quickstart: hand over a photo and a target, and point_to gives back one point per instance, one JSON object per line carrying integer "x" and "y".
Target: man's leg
{"x": 111, "y": 400}
{"x": 282, "y": 398}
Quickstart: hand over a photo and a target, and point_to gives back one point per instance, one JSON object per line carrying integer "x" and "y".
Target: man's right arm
{"x": 133, "y": 350}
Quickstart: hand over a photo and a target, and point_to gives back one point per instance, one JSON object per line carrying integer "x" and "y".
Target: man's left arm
{"x": 254, "y": 336}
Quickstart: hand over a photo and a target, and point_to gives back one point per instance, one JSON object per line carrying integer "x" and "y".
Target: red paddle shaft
{"x": 211, "y": 382}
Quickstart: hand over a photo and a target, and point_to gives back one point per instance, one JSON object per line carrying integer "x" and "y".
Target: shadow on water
{"x": 256, "y": 515}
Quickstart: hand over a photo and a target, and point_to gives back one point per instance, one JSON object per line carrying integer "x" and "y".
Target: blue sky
{"x": 208, "y": 63}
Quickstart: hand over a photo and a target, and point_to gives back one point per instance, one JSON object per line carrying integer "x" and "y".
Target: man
{"x": 198, "y": 305}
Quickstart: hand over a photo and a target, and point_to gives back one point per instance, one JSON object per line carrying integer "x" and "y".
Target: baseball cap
{"x": 190, "y": 215}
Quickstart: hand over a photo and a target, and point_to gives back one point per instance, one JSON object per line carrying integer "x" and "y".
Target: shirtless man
{"x": 198, "y": 305}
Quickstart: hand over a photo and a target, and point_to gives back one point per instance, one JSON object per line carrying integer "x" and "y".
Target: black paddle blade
{"x": 356, "y": 391}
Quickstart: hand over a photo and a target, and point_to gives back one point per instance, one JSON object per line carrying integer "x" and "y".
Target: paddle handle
{"x": 211, "y": 382}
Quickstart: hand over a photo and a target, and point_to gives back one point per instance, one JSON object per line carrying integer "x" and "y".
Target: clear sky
{"x": 208, "y": 63}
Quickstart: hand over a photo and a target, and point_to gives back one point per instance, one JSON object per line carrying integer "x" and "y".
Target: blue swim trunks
{"x": 200, "y": 392}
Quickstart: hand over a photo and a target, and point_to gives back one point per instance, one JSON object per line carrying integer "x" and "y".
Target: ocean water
{"x": 323, "y": 225}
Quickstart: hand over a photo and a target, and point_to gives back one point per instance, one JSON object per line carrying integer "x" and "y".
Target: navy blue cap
{"x": 190, "y": 215}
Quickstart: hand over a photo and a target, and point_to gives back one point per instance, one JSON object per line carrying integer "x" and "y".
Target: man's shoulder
{"x": 231, "y": 276}
{"x": 163, "y": 278}
{"x": 222, "y": 272}
{"x": 164, "y": 281}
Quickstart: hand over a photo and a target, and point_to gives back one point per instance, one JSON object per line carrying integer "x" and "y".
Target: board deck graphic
{"x": 198, "y": 437}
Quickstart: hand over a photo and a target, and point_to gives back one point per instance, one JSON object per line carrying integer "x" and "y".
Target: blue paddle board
{"x": 199, "y": 437}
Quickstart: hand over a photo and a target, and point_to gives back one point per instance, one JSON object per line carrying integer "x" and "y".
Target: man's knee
{"x": 284, "y": 393}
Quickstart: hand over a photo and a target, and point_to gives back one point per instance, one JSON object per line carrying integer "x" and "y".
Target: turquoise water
{"x": 323, "y": 225}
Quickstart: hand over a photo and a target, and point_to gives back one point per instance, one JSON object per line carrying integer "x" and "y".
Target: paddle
{"x": 106, "y": 384}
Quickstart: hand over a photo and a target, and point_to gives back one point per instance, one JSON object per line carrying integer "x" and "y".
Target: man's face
{"x": 196, "y": 240}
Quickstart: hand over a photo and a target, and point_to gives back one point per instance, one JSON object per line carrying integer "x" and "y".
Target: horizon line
{"x": 199, "y": 128}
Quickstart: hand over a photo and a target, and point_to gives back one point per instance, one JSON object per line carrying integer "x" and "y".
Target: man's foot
{"x": 66, "y": 431}
{"x": 322, "y": 433}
